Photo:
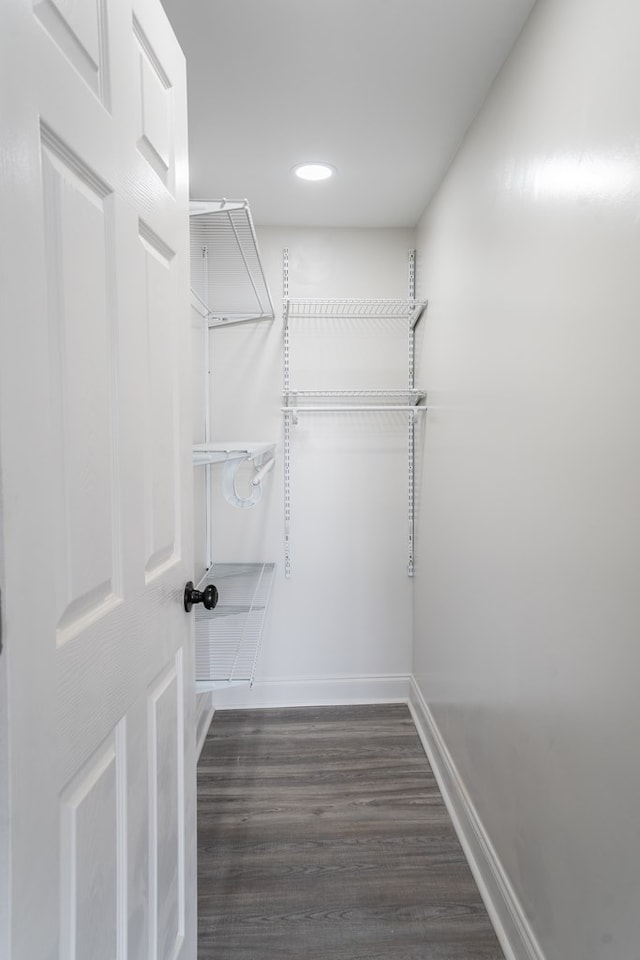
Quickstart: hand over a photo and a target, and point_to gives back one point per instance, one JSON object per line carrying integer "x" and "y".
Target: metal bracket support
{"x": 411, "y": 425}
{"x": 411, "y": 491}
{"x": 286, "y": 383}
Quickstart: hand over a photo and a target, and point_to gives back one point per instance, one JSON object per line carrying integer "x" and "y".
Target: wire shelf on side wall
{"x": 227, "y": 277}
{"x": 223, "y": 450}
{"x": 228, "y": 638}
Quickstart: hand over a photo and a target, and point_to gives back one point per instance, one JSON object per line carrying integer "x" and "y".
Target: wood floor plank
{"x": 322, "y": 834}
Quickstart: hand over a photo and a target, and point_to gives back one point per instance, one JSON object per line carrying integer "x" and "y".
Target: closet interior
{"x": 328, "y": 385}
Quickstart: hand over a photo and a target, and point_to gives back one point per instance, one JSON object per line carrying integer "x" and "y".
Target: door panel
{"x": 80, "y": 31}
{"x": 79, "y": 237}
{"x": 95, "y": 510}
{"x": 154, "y": 109}
{"x": 93, "y": 852}
{"x": 166, "y": 759}
{"x": 161, "y": 410}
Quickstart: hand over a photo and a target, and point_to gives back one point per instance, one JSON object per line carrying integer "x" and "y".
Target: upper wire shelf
{"x": 296, "y": 308}
{"x": 300, "y": 401}
{"x": 226, "y": 271}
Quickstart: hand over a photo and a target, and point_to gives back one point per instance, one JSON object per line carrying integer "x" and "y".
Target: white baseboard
{"x": 314, "y": 692}
{"x": 507, "y": 916}
{"x": 204, "y": 716}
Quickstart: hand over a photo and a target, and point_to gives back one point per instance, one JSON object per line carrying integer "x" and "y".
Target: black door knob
{"x": 208, "y": 596}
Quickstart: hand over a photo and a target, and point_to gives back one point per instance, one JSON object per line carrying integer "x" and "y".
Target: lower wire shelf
{"x": 228, "y": 638}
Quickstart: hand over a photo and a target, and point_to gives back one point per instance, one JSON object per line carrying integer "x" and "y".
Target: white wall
{"x": 527, "y": 600}
{"x": 5, "y": 870}
{"x": 346, "y": 611}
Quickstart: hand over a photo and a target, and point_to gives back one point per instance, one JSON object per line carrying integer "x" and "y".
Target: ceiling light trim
{"x": 314, "y": 171}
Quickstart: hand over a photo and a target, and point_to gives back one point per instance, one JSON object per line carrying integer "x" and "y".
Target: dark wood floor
{"x": 322, "y": 834}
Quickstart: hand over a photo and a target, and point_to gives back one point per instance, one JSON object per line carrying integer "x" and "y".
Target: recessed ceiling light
{"x": 314, "y": 171}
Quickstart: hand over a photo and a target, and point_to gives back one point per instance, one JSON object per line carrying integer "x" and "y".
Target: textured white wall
{"x": 527, "y": 600}
{"x": 346, "y": 611}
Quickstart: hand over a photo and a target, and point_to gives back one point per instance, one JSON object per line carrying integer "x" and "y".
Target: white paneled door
{"x": 97, "y": 787}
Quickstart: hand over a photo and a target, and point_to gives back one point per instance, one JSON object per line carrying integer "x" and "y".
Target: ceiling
{"x": 383, "y": 90}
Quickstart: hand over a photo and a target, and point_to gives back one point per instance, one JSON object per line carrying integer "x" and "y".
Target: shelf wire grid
{"x": 226, "y": 271}
{"x": 346, "y": 401}
{"x": 228, "y": 638}
{"x": 343, "y": 308}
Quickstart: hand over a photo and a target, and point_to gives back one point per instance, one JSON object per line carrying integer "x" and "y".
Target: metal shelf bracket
{"x": 286, "y": 378}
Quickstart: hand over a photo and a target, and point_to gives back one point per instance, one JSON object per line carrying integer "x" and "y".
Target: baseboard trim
{"x": 204, "y": 716}
{"x": 314, "y": 692}
{"x": 507, "y": 915}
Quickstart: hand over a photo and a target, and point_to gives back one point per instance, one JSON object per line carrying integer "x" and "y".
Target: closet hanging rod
{"x": 263, "y": 471}
{"x": 212, "y": 452}
{"x": 393, "y": 392}
{"x": 351, "y": 408}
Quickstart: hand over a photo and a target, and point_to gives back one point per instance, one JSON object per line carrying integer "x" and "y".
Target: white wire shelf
{"x": 296, "y": 308}
{"x": 226, "y": 271}
{"x": 220, "y": 451}
{"x": 299, "y": 401}
{"x": 228, "y": 638}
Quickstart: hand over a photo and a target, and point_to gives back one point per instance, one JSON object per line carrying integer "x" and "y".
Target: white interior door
{"x": 97, "y": 848}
